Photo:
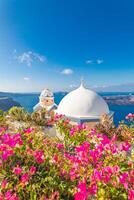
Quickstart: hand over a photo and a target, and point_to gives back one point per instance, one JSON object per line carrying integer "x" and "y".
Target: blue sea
{"x": 29, "y": 100}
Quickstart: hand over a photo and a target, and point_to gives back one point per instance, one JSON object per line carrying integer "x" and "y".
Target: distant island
{"x": 120, "y": 99}
{"x": 7, "y": 102}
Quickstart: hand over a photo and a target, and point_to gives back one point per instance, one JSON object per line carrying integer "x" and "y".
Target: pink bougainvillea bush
{"x": 85, "y": 165}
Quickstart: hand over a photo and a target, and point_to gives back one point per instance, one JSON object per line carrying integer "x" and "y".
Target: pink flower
{"x": 1, "y": 196}
{"x": 84, "y": 147}
{"x": 72, "y": 132}
{"x": 105, "y": 140}
{"x": 116, "y": 169}
{"x": 39, "y": 156}
{"x": 82, "y": 193}
{"x": 25, "y": 178}
{"x": 12, "y": 140}
{"x": 14, "y": 197}
{"x": 55, "y": 159}
{"x": 32, "y": 170}
{"x": 72, "y": 174}
{"x": 4, "y": 184}
{"x": 60, "y": 146}
{"x": 108, "y": 170}
{"x": 123, "y": 179}
{"x": 114, "y": 138}
{"x": 81, "y": 127}
{"x": 97, "y": 176}
{"x": 79, "y": 196}
{"x": 82, "y": 187}
{"x": 92, "y": 189}
{"x": 125, "y": 146}
{"x": 28, "y": 130}
{"x": 6, "y": 154}
{"x": 131, "y": 194}
{"x": 58, "y": 117}
{"x": 93, "y": 131}
{"x": 130, "y": 115}
{"x": 95, "y": 154}
{"x": 10, "y": 196}
{"x": 80, "y": 149}
{"x": 17, "y": 170}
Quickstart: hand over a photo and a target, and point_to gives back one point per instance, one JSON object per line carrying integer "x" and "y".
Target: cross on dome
{"x": 82, "y": 82}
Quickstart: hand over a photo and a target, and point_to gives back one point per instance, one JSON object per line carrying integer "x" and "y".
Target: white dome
{"x": 83, "y": 103}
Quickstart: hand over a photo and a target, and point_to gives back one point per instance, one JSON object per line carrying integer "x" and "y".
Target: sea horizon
{"x": 29, "y": 100}
{"x": 65, "y": 91}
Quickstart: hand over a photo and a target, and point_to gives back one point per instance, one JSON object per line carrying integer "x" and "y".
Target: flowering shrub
{"x": 39, "y": 117}
{"x": 130, "y": 118}
{"x": 85, "y": 165}
{"x": 2, "y": 119}
{"x": 19, "y": 113}
{"x": 124, "y": 131}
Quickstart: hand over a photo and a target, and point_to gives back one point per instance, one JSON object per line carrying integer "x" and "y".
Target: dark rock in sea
{"x": 7, "y": 102}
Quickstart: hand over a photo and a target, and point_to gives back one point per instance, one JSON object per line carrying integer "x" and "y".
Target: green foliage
{"x": 1, "y": 114}
{"x": 19, "y": 114}
{"x": 39, "y": 117}
{"x": 2, "y": 118}
{"x": 123, "y": 132}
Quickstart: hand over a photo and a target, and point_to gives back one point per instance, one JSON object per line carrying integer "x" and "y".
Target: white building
{"x": 46, "y": 100}
{"x": 84, "y": 106}
{"x": 80, "y": 106}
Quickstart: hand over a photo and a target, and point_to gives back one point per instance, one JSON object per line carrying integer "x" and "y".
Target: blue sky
{"x": 52, "y": 43}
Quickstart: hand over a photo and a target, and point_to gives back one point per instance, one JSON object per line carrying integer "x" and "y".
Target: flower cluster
{"x": 85, "y": 165}
{"x": 130, "y": 116}
{"x": 101, "y": 165}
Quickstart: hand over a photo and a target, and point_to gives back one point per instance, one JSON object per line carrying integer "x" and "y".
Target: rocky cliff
{"x": 7, "y": 102}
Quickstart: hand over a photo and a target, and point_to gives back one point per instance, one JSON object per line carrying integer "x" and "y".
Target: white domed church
{"x": 84, "y": 106}
{"x": 80, "y": 106}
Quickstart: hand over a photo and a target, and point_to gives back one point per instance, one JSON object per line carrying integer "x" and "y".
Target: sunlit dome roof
{"x": 83, "y": 103}
{"x": 46, "y": 93}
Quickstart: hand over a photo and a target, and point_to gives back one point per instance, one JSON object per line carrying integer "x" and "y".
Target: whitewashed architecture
{"x": 46, "y": 100}
{"x": 84, "y": 106}
{"x": 81, "y": 105}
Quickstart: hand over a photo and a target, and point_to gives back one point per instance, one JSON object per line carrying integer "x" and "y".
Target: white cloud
{"x": 39, "y": 57}
{"x": 25, "y": 58}
{"x": 26, "y": 78}
{"x": 99, "y": 61}
{"x": 89, "y": 61}
{"x": 28, "y": 57}
{"x": 67, "y": 71}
